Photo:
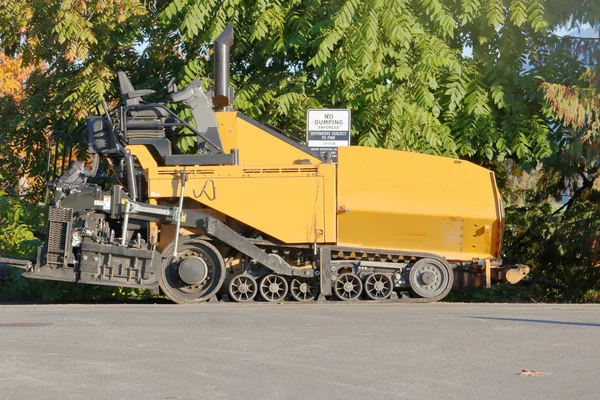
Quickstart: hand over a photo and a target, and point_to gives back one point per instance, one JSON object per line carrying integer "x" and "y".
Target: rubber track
{"x": 371, "y": 254}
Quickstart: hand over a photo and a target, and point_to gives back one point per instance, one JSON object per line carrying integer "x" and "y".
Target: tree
{"x": 78, "y": 44}
{"x": 399, "y": 65}
{"x": 558, "y": 228}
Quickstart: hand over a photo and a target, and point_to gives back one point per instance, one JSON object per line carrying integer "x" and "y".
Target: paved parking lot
{"x": 297, "y": 351}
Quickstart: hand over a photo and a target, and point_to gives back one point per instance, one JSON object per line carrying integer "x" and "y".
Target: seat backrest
{"x": 126, "y": 89}
{"x": 132, "y": 96}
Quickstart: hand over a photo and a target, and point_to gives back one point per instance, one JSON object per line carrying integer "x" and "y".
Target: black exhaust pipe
{"x": 222, "y": 44}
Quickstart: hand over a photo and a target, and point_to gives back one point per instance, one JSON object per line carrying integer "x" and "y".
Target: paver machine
{"x": 250, "y": 213}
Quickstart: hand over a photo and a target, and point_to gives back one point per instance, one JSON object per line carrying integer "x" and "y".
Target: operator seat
{"x": 130, "y": 95}
{"x": 133, "y": 98}
{"x": 145, "y": 125}
{"x": 141, "y": 120}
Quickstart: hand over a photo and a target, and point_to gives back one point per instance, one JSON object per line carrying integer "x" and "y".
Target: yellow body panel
{"x": 407, "y": 201}
{"x": 278, "y": 188}
{"x": 373, "y": 198}
{"x": 294, "y": 204}
{"x": 143, "y": 155}
{"x": 257, "y": 147}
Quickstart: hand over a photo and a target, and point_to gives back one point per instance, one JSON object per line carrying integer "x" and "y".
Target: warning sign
{"x": 326, "y": 130}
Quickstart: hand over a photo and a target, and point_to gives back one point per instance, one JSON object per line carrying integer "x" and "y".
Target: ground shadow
{"x": 539, "y": 321}
{"x": 39, "y": 302}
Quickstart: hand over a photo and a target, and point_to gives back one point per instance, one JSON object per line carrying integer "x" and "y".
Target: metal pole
{"x": 125, "y": 222}
{"x": 131, "y": 184}
{"x": 178, "y": 212}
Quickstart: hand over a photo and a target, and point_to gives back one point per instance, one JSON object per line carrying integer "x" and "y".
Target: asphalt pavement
{"x": 300, "y": 351}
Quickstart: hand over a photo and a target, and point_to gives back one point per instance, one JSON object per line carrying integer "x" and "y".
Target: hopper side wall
{"x": 407, "y": 201}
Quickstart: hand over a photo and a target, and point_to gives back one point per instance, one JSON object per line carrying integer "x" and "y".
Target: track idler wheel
{"x": 195, "y": 275}
{"x": 348, "y": 286}
{"x": 273, "y": 288}
{"x": 243, "y": 288}
{"x": 303, "y": 289}
{"x": 378, "y": 286}
{"x": 431, "y": 278}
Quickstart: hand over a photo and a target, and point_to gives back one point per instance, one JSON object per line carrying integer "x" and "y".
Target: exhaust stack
{"x": 221, "y": 98}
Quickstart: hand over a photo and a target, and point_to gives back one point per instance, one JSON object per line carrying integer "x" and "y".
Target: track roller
{"x": 273, "y": 288}
{"x": 378, "y": 286}
{"x": 243, "y": 288}
{"x": 348, "y": 287}
{"x": 430, "y": 278}
{"x": 304, "y": 289}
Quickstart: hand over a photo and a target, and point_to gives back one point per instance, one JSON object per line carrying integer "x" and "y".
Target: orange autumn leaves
{"x": 576, "y": 107}
{"x": 12, "y": 77}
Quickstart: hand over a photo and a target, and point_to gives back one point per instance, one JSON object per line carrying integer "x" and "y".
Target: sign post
{"x": 326, "y": 130}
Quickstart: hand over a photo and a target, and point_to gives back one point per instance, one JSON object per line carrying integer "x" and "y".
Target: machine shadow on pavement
{"x": 539, "y": 321}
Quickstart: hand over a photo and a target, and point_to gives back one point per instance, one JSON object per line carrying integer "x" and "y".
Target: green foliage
{"x": 74, "y": 47}
{"x": 561, "y": 245}
{"x": 398, "y": 65}
{"x": 17, "y": 219}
